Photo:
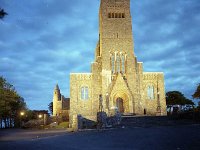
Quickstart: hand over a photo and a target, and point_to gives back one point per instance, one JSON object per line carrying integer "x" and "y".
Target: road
{"x": 179, "y": 137}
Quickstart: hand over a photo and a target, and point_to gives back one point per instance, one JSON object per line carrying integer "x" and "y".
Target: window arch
{"x": 123, "y": 63}
{"x": 150, "y": 92}
{"x": 113, "y": 63}
{"x": 84, "y": 93}
{"x": 109, "y": 15}
{"x": 116, "y": 15}
{"x": 118, "y": 64}
{"x": 113, "y": 15}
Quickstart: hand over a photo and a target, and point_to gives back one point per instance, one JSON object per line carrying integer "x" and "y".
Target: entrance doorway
{"x": 120, "y": 105}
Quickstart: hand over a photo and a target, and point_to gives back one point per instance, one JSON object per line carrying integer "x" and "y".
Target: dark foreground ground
{"x": 179, "y": 137}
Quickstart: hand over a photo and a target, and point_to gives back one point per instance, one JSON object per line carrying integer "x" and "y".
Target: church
{"x": 116, "y": 75}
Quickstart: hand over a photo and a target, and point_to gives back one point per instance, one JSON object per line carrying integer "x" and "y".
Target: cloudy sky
{"x": 42, "y": 41}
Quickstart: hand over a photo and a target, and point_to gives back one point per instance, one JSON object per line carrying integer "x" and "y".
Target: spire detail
{"x": 57, "y": 87}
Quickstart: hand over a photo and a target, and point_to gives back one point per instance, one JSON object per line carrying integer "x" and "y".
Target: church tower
{"x": 116, "y": 54}
{"x": 116, "y": 74}
{"x": 115, "y": 29}
{"x": 57, "y": 103}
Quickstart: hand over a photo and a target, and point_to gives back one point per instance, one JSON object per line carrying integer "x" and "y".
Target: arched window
{"x": 113, "y": 15}
{"x": 123, "y": 64}
{"x": 109, "y": 15}
{"x": 113, "y": 63}
{"x": 118, "y": 64}
{"x": 84, "y": 93}
{"x": 150, "y": 92}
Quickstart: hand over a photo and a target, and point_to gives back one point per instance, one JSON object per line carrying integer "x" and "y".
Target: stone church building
{"x": 60, "y": 103}
{"x": 116, "y": 74}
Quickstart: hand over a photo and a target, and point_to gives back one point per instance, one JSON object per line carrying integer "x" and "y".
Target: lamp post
{"x": 22, "y": 113}
{"x": 40, "y": 116}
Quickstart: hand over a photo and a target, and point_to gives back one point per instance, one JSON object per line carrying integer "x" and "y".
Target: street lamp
{"x": 40, "y": 116}
{"x": 22, "y": 113}
{"x": 21, "y": 117}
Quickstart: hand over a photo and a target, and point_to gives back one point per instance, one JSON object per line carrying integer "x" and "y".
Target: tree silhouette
{"x": 50, "y": 106}
{"x": 2, "y": 13}
{"x": 196, "y": 94}
{"x": 176, "y": 97}
{"x": 11, "y": 103}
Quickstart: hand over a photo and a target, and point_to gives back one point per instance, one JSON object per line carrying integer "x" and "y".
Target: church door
{"x": 119, "y": 104}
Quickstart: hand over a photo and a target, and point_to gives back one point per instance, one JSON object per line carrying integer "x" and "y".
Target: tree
{"x": 2, "y": 13}
{"x": 196, "y": 94}
{"x": 11, "y": 103}
{"x": 177, "y": 98}
{"x": 50, "y": 106}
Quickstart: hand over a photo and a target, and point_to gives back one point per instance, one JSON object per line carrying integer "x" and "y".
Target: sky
{"x": 42, "y": 41}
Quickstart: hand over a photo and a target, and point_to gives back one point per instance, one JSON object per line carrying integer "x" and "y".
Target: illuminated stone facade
{"x": 116, "y": 74}
{"x": 60, "y": 103}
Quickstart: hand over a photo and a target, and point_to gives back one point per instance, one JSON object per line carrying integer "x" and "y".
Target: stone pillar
{"x": 75, "y": 122}
{"x": 45, "y": 119}
{"x": 131, "y": 106}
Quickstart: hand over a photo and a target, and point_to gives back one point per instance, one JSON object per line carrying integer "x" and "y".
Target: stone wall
{"x": 78, "y": 105}
{"x": 157, "y": 81}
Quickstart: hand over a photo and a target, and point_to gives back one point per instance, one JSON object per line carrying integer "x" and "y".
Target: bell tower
{"x": 115, "y": 52}
{"x": 115, "y": 34}
{"x": 57, "y": 103}
{"x": 115, "y": 19}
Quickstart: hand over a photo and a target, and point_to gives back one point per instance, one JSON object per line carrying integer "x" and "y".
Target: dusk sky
{"x": 42, "y": 41}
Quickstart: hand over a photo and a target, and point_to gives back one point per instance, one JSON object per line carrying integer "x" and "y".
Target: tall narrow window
{"x": 109, "y": 15}
{"x": 118, "y": 64}
{"x": 120, "y": 15}
{"x": 150, "y": 92}
{"x": 123, "y": 64}
{"x": 123, "y": 16}
{"x": 84, "y": 93}
{"x": 113, "y": 15}
{"x": 113, "y": 63}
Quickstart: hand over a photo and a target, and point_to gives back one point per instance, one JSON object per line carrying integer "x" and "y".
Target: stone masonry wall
{"x": 157, "y": 81}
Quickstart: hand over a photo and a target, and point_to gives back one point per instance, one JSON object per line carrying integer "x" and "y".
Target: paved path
{"x": 20, "y": 134}
{"x": 153, "y": 138}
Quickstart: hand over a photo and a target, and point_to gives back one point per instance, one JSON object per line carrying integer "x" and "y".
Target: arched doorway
{"x": 120, "y": 100}
{"x": 120, "y": 104}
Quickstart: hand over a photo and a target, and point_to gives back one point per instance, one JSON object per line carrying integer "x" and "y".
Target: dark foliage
{"x": 176, "y": 97}
{"x": 50, "y": 106}
{"x": 11, "y": 104}
{"x": 196, "y": 94}
{"x": 2, "y": 13}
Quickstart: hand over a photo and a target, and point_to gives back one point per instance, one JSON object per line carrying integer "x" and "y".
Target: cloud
{"x": 166, "y": 39}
